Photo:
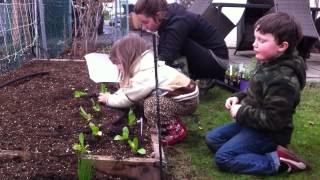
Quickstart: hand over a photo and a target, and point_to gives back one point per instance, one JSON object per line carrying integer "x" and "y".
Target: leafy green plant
{"x": 95, "y": 106}
{"x": 249, "y": 71}
{"x": 134, "y": 145}
{"x": 84, "y": 169}
{"x": 95, "y": 129}
{"x": 103, "y": 88}
{"x": 81, "y": 147}
{"x": 85, "y": 115}
{"x": 78, "y": 94}
{"x": 124, "y": 136}
{"x": 131, "y": 118}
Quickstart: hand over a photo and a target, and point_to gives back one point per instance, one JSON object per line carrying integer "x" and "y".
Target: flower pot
{"x": 244, "y": 84}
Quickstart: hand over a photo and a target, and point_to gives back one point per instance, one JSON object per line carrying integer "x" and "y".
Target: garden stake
{"x": 155, "y": 50}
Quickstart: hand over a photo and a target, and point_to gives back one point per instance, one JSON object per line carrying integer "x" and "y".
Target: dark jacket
{"x": 270, "y": 101}
{"x": 179, "y": 25}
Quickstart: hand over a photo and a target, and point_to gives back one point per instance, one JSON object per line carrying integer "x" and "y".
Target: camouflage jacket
{"x": 269, "y": 103}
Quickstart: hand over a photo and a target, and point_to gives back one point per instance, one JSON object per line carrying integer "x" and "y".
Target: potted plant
{"x": 246, "y": 75}
{"x": 232, "y": 75}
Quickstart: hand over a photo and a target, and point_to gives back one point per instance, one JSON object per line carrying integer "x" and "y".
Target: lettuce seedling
{"x": 103, "y": 88}
{"x": 95, "y": 106}
{"x": 80, "y": 147}
{"x": 95, "y": 129}
{"x": 131, "y": 118}
{"x": 78, "y": 94}
{"x": 134, "y": 145}
{"x": 124, "y": 136}
{"x": 85, "y": 115}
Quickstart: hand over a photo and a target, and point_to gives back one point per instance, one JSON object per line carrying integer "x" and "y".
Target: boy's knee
{"x": 222, "y": 160}
{"x": 211, "y": 142}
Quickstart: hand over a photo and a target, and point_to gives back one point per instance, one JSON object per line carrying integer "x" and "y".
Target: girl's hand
{"x": 103, "y": 97}
{"x": 234, "y": 109}
{"x": 231, "y": 101}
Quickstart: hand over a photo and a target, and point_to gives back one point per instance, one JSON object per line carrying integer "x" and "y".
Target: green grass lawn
{"x": 191, "y": 158}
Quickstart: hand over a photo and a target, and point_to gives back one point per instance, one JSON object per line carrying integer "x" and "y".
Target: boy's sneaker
{"x": 295, "y": 163}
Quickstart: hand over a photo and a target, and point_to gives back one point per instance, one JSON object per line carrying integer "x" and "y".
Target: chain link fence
{"x": 30, "y": 28}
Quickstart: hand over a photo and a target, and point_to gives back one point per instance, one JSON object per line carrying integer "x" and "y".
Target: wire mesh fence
{"x": 17, "y": 32}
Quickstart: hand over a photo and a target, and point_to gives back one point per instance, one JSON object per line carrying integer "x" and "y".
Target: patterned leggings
{"x": 169, "y": 109}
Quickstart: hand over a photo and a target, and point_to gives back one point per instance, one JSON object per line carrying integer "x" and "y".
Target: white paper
{"x": 101, "y": 69}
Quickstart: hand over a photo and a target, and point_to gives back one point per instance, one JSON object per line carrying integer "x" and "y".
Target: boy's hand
{"x": 231, "y": 101}
{"x": 103, "y": 97}
{"x": 234, "y": 109}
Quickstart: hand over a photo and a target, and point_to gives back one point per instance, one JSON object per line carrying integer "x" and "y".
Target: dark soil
{"x": 39, "y": 117}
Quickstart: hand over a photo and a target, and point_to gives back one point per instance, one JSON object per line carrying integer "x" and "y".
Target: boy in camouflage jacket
{"x": 254, "y": 143}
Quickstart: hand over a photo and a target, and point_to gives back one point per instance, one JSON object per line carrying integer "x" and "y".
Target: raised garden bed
{"x": 40, "y": 121}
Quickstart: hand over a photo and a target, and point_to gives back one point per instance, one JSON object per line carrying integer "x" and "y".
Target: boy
{"x": 254, "y": 143}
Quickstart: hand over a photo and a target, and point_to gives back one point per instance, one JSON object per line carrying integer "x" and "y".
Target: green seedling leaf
{"x": 80, "y": 147}
{"x": 81, "y": 139}
{"x": 131, "y": 118}
{"x": 103, "y": 88}
{"x": 78, "y": 94}
{"x": 124, "y": 136}
{"x": 125, "y": 133}
{"x": 133, "y": 144}
{"x": 85, "y": 115}
{"x": 95, "y": 129}
{"x": 118, "y": 138}
{"x": 142, "y": 151}
{"x": 95, "y": 106}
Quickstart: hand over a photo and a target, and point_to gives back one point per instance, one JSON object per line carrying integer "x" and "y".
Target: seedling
{"x": 95, "y": 106}
{"x": 95, "y": 129}
{"x": 131, "y": 118}
{"x": 85, "y": 115}
{"x": 81, "y": 147}
{"x": 134, "y": 145}
{"x": 103, "y": 88}
{"x": 124, "y": 136}
{"x": 78, "y": 94}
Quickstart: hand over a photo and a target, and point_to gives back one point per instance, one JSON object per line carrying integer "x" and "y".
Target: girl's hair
{"x": 283, "y": 27}
{"x": 126, "y": 51}
{"x": 149, "y": 8}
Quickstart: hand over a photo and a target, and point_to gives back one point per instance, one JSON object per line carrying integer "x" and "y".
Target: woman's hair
{"x": 149, "y": 8}
{"x": 126, "y": 51}
{"x": 283, "y": 27}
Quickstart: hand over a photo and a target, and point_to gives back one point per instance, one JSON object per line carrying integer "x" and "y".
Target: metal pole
{"x": 43, "y": 29}
{"x": 70, "y": 20}
{"x": 155, "y": 49}
{"x": 36, "y": 33}
{"x": 127, "y": 16}
{"x": 115, "y": 20}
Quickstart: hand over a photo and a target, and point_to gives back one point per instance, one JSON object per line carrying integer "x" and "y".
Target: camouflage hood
{"x": 295, "y": 63}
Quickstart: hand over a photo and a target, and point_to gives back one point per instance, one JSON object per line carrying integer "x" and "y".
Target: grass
{"x": 191, "y": 158}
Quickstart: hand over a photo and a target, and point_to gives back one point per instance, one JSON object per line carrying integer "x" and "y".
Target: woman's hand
{"x": 231, "y": 101}
{"x": 103, "y": 97}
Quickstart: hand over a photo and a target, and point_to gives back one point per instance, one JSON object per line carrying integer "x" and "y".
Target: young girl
{"x": 178, "y": 93}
